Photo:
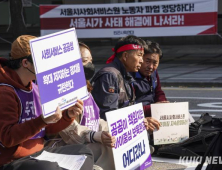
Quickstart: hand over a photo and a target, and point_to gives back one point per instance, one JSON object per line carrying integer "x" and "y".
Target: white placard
{"x": 174, "y": 120}
{"x": 132, "y": 146}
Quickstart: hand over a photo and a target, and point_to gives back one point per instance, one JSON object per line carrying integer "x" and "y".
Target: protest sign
{"x": 90, "y": 115}
{"x": 132, "y": 146}
{"x": 59, "y": 71}
{"x": 174, "y": 121}
{"x": 143, "y": 19}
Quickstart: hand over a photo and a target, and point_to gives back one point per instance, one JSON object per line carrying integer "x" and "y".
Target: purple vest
{"x": 90, "y": 117}
{"x": 30, "y": 106}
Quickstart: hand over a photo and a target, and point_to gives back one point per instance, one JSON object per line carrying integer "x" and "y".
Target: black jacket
{"x": 144, "y": 89}
{"x": 112, "y": 88}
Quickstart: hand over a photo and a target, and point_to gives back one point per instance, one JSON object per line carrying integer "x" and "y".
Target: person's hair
{"x": 89, "y": 86}
{"x": 81, "y": 44}
{"x": 16, "y": 63}
{"x": 153, "y": 47}
{"x": 130, "y": 39}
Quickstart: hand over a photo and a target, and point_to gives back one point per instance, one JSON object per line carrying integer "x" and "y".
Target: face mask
{"x": 89, "y": 70}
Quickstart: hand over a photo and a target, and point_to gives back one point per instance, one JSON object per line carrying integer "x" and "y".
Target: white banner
{"x": 146, "y": 19}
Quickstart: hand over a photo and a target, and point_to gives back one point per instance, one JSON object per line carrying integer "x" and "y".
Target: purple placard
{"x": 61, "y": 80}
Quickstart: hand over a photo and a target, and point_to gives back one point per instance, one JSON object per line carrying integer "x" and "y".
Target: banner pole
{"x": 219, "y": 35}
{"x": 5, "y": 40}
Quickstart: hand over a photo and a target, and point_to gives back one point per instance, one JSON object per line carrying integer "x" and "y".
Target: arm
{"x": 79, "y": 134}
{"x": 67, "y": 118}
{"x": 147, "y": 110}
{"x": 102, "y": 135}
{"x": 75, "y": 133}
{"x": 63, "y": 123}
{"x": 159, "y": 94}
{"x": 12, "y": 133}
{"x": 106, "y": 93}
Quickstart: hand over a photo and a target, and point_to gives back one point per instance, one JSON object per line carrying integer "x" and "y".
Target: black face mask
{"x": 89, "y": 70}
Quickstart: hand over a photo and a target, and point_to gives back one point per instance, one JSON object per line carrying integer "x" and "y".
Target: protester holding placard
{"x": 90, "y": 129}
{"x": 112, "y": 85}
{"x": 23, "y": 127}
{"x": 147, "y": 85}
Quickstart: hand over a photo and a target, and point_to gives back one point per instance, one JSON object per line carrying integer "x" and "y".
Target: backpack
{"x": 205, "y": 124}
{"x": 214, "y": 150}
{"x": 203, "y": 133}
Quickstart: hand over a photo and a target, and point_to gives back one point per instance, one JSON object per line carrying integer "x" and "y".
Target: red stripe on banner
{"x": 168, "y": 20}
{"x": 211, "y": 30}
{"x": 44, "y": 9}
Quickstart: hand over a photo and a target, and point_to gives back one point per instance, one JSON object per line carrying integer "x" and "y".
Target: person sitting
{"x": 112, "y": 85}
{"x": 23, "y": 126}
{"x": 147, "y": 83}
{"x": 88, "y": 128}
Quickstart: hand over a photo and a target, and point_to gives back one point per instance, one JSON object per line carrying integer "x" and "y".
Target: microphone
{"x": 30, "y": 71}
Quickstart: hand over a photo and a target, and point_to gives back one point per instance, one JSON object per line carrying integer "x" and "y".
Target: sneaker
{"x": 151, "y": 149}
{"x": 96, "y": 167}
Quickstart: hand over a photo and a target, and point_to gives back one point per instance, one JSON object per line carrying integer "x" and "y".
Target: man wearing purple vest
{"x": 22, "y": 126}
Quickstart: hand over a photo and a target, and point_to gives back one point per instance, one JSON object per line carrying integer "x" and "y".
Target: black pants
{"x": 28, "y": 163}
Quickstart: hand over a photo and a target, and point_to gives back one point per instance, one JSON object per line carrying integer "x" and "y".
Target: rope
{"x": 5, "y": 40}
{"x": 219, "y": 35}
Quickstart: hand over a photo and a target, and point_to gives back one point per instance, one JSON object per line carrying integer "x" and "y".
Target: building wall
{"x": 31, "y": 14}
{"x": 4, "y": 13}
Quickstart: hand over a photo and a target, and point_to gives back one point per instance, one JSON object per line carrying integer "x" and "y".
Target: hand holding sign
{"x": 75, "y": 110}
{"x": 152, "y": 124}
{"x": 107, "y": 139}
{"x": 53, "y": 118}
{"x": 146, "y": 124}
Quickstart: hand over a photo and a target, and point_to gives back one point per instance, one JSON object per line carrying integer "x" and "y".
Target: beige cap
{"x": 20, "y": 47}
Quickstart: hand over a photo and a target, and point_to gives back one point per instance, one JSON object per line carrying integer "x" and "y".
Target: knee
{"x": 82, "y": 150}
